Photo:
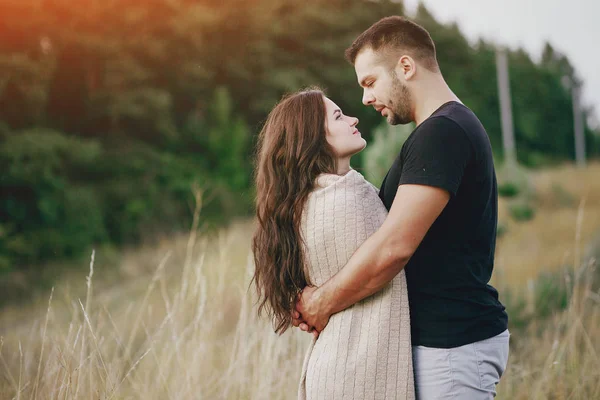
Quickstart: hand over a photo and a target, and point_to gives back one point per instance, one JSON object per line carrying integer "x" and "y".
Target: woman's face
{"x": 342, "y": 134}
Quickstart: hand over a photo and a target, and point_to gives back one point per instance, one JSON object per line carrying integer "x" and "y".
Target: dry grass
{"x": 188, "y": 330}
{"x": 548, "y": 241}
{"x": 182, "y": 334}
{"x": 559, "y": 358}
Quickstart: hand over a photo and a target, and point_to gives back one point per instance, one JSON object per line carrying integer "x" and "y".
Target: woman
{"x": 313, "y": 212}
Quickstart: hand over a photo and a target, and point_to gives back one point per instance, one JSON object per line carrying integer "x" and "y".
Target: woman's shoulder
{"x": 353, "y": 183}
{"x": 352, "y": 177}
{"x": 350, "y": 194}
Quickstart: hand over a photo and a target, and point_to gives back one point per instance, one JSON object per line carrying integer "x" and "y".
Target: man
{"x": 441, "y": 194}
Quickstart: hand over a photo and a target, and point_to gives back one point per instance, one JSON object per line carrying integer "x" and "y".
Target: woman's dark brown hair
{"x": 292, "y": 151}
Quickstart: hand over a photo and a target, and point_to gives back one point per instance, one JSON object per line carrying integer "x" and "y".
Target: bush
{"x": 514, "y": 181}
{"x": 551, "y": 294}
{"x": 47, "y": 205}
{"x": 548, "y": 294}
{"x": 60, "y": 195}
{"x": 521, "y": 212}
{"x": 220, "y": 140}
{"x": 378, "y": 157}
{"x": 508, "y": 189}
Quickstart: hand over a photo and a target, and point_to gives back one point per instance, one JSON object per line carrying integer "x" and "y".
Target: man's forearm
{"x": 371, "y": 268}
{"x": 382, "y": 256}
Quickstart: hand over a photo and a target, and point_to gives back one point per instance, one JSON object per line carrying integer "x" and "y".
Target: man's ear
{"x": 407, "y": 67}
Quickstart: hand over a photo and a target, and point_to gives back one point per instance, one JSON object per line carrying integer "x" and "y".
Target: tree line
{"x": 110, "y": 111}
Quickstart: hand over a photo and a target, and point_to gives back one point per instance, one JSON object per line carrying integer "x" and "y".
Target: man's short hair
{"x": 394, "y": 35}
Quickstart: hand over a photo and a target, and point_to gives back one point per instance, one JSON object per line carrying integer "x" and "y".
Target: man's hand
{"x": 311, "y": 313}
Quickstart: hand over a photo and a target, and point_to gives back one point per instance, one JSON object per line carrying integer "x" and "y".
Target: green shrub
{"x": 48, "y": 205}
{"x": 548, "y": 294}
{"x": 379, "y": 155}
{"x": 508, "y": 189}
{"x": 514, "y": 181}
{"x": 60, "y": 195}
{"x": 521, "y": 212}
{"x": 537, "y": 160}
{"x": 227, "y": 143}
{"x": 551, "y": 294}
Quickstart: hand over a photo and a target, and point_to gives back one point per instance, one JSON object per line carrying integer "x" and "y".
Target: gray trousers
{"x": 467, "y": 372}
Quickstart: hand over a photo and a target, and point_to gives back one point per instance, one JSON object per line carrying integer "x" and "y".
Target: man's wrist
{"x": 324, "y": 299}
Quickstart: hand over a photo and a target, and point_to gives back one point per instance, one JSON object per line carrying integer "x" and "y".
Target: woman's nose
{"x": 355, "y": 122}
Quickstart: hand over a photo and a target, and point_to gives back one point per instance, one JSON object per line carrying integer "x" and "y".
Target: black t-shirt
{"x": 451, "y": 302}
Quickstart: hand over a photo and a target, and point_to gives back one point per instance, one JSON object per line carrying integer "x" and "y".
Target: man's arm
{"x": 380, "y": 258}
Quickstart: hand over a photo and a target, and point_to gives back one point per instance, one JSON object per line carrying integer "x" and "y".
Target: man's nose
{"x": 367, "y": 98}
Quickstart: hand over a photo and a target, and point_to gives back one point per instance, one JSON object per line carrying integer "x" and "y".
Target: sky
{"x": 571, "y": 27}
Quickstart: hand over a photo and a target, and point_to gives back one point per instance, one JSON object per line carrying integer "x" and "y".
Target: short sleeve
{"x": 438, "y": 155}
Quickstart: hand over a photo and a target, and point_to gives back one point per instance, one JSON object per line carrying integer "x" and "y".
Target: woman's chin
{"x": 363, "y": 146}
{"x": 358, "y": 150}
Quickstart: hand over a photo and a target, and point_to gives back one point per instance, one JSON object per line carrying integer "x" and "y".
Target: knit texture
{"x": 364, "y": 352}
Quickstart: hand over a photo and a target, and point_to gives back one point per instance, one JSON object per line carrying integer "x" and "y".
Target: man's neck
{"x": 432, "y": 95}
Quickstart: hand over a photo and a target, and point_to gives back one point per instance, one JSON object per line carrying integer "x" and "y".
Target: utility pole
{"x": 578, "y": 126}
{"x": 508, "y": 138}
{"x": 574, "y": 86}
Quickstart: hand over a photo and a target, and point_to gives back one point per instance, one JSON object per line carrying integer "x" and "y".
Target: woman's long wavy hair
{"x": 292, "y": 151}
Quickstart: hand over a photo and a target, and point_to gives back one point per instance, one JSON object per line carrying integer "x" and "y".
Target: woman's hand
{"x": 298, "y": 322}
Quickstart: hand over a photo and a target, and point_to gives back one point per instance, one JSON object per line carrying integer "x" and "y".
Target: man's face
{"x": 382, "y": 88}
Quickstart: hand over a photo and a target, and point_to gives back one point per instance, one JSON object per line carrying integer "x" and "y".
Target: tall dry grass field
{"x": 188, "y": 329}
{"x": 551, "y": 239}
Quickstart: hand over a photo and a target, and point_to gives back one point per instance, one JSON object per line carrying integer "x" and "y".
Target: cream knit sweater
{"x": 364, "y": 352}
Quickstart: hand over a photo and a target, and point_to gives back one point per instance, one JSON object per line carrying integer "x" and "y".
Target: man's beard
{"x": 400, "y": 100}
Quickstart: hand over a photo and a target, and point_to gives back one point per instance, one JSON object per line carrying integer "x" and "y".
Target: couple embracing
{"x": 392, "y": 282}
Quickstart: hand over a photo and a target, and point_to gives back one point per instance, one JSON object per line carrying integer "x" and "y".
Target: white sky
{"x": 571, "y": 27}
